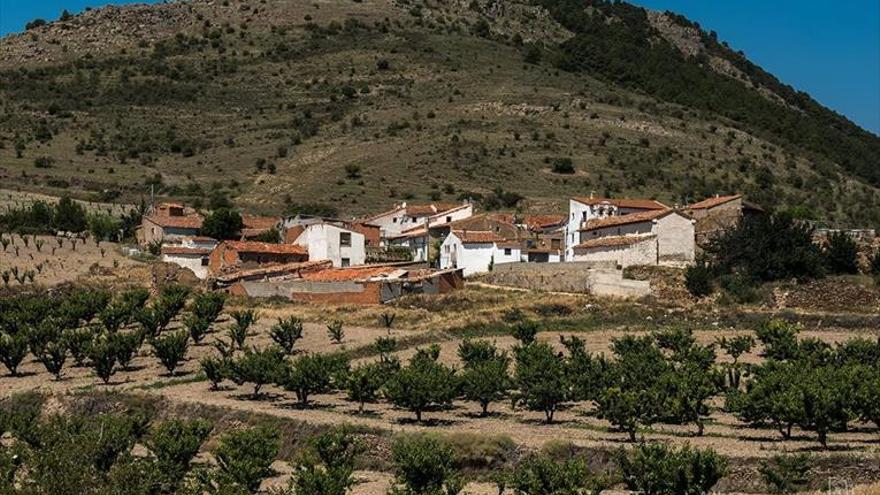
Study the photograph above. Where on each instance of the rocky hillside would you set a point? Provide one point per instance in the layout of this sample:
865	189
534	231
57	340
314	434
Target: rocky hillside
347	106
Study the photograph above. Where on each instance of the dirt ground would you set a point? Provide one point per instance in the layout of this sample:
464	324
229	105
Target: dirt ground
54	264
575	423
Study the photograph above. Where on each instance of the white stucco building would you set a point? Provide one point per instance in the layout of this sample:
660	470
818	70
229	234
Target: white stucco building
659	237
192	253
404	217
583	209
477	251
328	241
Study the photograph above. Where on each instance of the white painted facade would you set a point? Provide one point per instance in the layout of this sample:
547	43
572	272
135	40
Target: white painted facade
190	252
474	258
396	221
669	241
195	262
578	214
326	241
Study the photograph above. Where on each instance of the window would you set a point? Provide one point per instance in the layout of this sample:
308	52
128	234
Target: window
448	219
204	261
394	220
345	238
345	262
507	251
555	243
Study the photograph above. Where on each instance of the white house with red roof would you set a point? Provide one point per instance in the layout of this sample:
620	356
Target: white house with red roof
477	251
192	253
583	209
651	237
408	217
168	220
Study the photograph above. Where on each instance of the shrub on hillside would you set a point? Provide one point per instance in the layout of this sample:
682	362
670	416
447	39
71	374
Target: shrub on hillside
223	223
423	464
841	254
657	469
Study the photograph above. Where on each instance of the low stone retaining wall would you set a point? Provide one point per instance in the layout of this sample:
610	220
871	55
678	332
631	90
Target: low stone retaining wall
597	278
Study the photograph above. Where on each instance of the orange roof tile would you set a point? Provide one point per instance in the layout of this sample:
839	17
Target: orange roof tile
645	216
189	221
429	209
477	236
264	247
541	221
258	222
637	203
613	241
282	268
713	202
350	273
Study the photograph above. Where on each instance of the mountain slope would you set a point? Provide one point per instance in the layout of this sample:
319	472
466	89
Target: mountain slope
352	105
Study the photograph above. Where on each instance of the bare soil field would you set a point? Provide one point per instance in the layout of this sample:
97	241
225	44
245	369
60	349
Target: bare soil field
55	260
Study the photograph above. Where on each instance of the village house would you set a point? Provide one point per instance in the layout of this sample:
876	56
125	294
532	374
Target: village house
720	213
238	255
192	253
403	217
327	240
546	238
653	237
477	251
254	226
317	281
583	209
168	221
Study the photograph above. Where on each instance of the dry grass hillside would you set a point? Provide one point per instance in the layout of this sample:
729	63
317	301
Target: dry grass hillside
352	105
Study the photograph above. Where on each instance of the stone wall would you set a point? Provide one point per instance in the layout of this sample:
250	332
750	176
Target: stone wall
597	278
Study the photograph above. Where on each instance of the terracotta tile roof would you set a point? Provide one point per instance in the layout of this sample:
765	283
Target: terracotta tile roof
264	247
477	236
279	269
713	202
509	243
614	221
429	209
543	221
419	231
614	241
178	250
351	273
190	221
638	203
259	222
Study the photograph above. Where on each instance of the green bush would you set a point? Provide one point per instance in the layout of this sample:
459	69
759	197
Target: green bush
174	444
841	254
421	384
257	367
327	466
13	349
657	469
787	473
244	457
223	223
540	378
287	332
486	375
542	474
171	349
309	374
423	464
698	280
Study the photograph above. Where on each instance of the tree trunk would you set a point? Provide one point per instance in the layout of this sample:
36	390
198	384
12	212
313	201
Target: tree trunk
632	434
485	406
361	408
418	415
549	415
700	427
823	438
257	390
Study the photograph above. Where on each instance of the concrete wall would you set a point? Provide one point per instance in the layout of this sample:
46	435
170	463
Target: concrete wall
641	228
452	216
598	278
578	213
501	258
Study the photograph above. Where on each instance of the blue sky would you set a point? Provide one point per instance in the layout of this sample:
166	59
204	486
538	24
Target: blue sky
831	50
